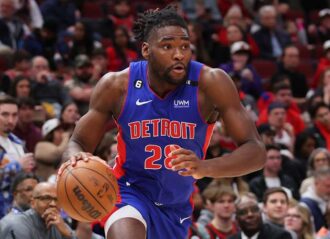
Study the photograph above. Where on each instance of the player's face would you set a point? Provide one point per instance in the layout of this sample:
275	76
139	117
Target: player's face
168	53
8	118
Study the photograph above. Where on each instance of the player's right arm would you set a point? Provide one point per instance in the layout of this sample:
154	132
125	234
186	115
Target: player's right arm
106	101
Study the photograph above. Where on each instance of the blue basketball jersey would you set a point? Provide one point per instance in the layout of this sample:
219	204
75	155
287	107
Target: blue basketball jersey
148	125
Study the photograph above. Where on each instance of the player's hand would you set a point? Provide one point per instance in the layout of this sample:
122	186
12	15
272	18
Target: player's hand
186	163
51	217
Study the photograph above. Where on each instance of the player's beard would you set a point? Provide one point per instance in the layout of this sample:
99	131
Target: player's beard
164	74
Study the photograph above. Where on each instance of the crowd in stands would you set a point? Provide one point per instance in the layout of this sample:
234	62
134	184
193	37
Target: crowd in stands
277	52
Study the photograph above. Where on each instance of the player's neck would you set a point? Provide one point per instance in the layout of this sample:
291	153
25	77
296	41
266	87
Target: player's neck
158	86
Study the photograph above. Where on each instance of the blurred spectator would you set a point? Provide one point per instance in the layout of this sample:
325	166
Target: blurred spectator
43	220
29	12
298	219
240	65
282	6
289	66
63	11
13	158
100	63
48	152
320	33
69	117
272	175
237	184
324	63
12	29
45	89
44	42
107	148
317	198
267	133
304	145
120	16
319	158
270	40
320	114
249	218
122	52
284	130
82	41
21	188
323	89
25	129
197	9
282	94
81	86
21	87
199	48
225	6
221	202
22	65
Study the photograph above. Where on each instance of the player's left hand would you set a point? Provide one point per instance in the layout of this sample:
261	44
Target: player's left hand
186	163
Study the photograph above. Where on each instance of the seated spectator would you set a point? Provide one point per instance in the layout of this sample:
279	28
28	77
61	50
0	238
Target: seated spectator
82	41
69	116
237	184
80	87
323	88
320	114
21	188
221	202
122	52
100	63
282	94
47	90
249	218
63	12
84	230
272	175
298	219
321	32
288	66
43	220
304	145
48	152
319	158
12	29
29	13
270	40
22	65
44	42
25	129
316	198
324	63
240	65
21	87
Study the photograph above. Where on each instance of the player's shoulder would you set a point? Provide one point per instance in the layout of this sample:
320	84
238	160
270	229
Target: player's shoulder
210	75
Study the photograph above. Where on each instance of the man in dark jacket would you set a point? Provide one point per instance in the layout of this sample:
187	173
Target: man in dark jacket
248	215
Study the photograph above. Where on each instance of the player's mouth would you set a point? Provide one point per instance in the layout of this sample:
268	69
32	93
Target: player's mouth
179	69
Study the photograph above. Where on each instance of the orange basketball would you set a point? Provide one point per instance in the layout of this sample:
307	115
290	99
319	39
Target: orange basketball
87	191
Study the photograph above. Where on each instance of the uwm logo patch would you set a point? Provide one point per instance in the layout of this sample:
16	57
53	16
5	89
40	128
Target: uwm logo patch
181	104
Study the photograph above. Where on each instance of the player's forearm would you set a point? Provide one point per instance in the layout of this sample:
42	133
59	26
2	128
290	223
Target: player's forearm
249	157
72	148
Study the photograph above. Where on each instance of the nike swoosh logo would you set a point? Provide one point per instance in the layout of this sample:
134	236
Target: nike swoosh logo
138	102
183	219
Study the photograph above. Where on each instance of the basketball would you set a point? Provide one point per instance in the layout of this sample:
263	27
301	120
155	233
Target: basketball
87	191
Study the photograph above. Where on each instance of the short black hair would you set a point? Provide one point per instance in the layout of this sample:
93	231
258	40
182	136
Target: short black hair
26	102
272	147
154	18
20	177
314	108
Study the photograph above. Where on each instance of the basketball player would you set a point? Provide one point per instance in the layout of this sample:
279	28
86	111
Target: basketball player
165	109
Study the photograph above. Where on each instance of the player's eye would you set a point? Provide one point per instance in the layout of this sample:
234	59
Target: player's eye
185	47
166	47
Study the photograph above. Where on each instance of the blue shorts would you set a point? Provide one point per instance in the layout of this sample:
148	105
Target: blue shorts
163	222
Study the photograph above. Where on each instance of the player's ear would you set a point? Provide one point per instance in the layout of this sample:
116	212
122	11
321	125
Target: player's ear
145	50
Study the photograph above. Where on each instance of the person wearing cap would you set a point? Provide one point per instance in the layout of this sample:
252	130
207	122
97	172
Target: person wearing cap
324	63
240	65
81	85
48	152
